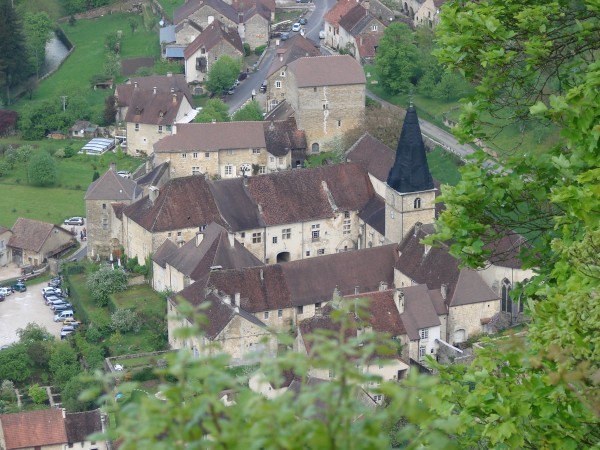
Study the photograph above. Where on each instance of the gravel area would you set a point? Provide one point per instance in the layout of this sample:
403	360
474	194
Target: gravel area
21	308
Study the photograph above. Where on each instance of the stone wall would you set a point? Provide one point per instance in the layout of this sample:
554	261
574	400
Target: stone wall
256	31
205	15
221	49
468	318
186	34
402	214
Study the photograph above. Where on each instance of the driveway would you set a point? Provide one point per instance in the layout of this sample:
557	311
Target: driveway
21	308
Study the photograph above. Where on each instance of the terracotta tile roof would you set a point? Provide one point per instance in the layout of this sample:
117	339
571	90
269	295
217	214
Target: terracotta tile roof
383	315
29	234
254	7
160	108
283	136
374	155
111	186
213	137
192	6
296	47
118	209
299	195
162	83
367	44
212	35
182	203
34	429
337	70
506	250
216	311
82	424
341	8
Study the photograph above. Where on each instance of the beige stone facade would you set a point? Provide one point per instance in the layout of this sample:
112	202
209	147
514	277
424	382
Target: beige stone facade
465	321
205	15
256	31
185	33
276	88
349	42
403	211
197	72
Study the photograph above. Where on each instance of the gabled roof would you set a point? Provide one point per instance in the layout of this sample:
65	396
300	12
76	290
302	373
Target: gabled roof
162	83
190	7
182	203
367	43
334	15
219	314
110	186
160	108
355	20
281	136
296	47
164	253
410	172
153	177
212	35
34	429
336	70
470	288
238	210
383	315
374	155
82	424
419	310
29	234
373	214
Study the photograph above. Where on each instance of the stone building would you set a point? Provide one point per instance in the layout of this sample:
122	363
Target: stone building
215	41
327	94
422	12
332	21
104	201
5	235
359	33
231	149
33	242
296	47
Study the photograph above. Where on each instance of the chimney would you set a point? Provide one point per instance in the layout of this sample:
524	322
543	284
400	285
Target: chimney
281	57
199	238
173	129
231	237
356	290
64	413
174	97
113	166
148	165
260	208
172	90
153	193
417	228
135	85
399	300
383	286
154	89
237	299
227	299
169	74
262	275
444	291
337	294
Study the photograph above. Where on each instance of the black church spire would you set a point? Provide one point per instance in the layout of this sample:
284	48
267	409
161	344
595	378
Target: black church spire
410	172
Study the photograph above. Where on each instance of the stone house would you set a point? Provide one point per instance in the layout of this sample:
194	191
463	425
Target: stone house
33	242
149	107
359	33
51	429
214	41
255	18
327	94
376	157
105	199
422	12
231	149
5	235
84	129
332	21
296	47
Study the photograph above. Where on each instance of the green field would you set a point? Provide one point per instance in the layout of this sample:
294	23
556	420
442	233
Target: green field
443	166
169	7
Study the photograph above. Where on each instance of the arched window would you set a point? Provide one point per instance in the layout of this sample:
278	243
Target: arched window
417	203
315	147
506	305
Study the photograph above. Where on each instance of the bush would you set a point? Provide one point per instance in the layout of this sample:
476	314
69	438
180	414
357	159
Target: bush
259	50
104	282
125	320
247	49
42	169
146	374
37	394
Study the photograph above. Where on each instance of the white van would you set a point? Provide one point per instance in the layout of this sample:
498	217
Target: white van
61	316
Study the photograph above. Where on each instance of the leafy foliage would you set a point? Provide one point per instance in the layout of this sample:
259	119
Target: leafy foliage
42	169
63	363
37	394
37	27
396	58
249	112
15	364
125	321
214	110
104	282
222	74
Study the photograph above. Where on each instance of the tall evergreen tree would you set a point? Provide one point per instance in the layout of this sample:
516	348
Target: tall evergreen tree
13	68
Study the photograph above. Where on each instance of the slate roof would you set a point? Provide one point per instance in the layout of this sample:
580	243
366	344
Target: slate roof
410	172
470	288
238	210
162	83
373	214
338	70
82	424
182	203
153	177
188	8
164	253
356	19
339	10
296	47
34	428
252	7
111	186
29	234
212	35
374	155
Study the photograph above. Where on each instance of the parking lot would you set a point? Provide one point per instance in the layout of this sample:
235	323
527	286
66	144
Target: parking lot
21	308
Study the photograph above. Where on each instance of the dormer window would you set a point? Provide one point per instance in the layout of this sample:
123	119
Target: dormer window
161	114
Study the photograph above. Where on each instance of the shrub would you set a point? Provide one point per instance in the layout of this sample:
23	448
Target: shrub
259	50
37	394
23	153
145	374
125	320
104	282
247	49
60	153
42	169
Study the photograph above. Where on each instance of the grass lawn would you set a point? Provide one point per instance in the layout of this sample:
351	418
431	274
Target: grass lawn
88	57
54	204
443	166
169	7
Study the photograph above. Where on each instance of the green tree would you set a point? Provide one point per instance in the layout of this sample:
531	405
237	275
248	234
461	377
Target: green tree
222	74
251	111
15	364
37	394
214	110
133	24
63	363
42	169
13	65
396	59
125	321
71	394
104	282
37	27
110	110
33	332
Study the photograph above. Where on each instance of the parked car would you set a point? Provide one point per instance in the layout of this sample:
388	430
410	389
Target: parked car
67	328
19	287
2	298
263	86
65	334
242	76
124	173
53	298
303	21
71	321
285	36
322	34
296	27
74	221
48	290
62	315
61	308
6	291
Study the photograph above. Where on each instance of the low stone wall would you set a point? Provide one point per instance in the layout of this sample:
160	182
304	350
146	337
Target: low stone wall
121	6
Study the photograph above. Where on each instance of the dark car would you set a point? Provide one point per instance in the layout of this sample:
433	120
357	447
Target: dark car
242	76
19	287
1	298
302	21
285	36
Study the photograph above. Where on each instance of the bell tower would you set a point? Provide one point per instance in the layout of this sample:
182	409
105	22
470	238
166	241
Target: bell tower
410	193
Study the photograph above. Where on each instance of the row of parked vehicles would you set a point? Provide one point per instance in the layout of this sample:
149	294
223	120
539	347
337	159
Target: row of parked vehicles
5	291
58	302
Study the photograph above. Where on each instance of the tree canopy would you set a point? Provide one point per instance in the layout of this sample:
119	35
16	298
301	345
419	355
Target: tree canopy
42	169
249	112
214	110
222	74
13	61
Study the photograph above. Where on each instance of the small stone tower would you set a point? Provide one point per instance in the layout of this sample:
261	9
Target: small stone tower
410	193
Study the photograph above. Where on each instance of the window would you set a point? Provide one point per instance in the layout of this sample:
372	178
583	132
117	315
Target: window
282	73
506	305
256	151
300	309
307	252
195	170
331	373
339	123
243	234
317	305
271	159
160	128
347	226
256	238
422	352
230	152
195	155
228	170
280	313
315	229
169	234
286	233
346	214
266	315
169	128
417	203
105	224
424	334
321	251
315	147
280	161
179	233
325	106
314	89
184	155
201	228
103	205
373	27
274	239
278	84
262	169
207	155
378	398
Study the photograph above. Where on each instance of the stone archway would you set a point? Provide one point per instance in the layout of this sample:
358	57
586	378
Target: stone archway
283	257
